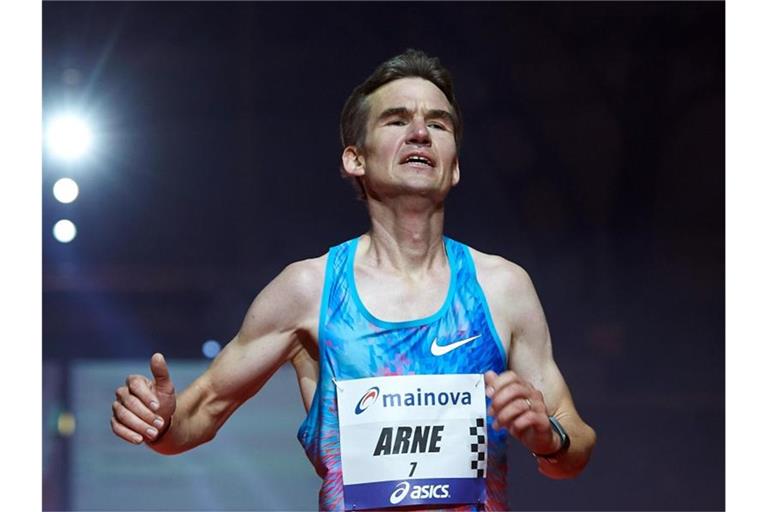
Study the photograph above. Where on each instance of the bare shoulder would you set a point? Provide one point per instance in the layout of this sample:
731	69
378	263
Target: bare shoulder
499	275
510	293
291	299
304	278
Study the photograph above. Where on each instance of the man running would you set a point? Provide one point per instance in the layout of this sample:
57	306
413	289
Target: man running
397	337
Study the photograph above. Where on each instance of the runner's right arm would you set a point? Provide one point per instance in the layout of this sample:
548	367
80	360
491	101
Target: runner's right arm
269	336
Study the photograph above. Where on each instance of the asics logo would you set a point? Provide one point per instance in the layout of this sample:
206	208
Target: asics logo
441	350
420	492
400	492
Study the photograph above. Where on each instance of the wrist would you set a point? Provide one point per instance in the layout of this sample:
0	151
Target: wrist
558	432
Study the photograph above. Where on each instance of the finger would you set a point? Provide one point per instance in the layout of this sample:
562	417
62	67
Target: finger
518	426
537	398
523	422
507	378
490	378
512	410
506	395
125	433
139	408
139	386
161	374
525	398
126	418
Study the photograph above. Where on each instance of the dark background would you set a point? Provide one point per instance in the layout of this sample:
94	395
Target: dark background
593	156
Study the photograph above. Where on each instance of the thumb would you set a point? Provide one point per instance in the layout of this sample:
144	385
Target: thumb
160	372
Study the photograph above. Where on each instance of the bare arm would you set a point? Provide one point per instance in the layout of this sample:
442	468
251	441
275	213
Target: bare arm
269	336
533	389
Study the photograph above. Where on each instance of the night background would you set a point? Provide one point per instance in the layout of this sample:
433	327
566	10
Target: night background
593	156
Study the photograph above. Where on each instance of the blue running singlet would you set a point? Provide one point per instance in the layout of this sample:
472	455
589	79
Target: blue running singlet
354	344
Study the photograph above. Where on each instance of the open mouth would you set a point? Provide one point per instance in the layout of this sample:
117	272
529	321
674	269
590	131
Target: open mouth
418	160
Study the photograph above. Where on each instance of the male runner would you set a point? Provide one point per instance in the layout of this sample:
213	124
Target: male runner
391	334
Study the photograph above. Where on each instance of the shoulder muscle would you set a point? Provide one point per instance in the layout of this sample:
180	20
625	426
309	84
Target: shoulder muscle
269	334
288	302
513	302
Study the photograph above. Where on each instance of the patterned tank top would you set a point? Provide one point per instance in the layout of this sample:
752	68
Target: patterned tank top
355	344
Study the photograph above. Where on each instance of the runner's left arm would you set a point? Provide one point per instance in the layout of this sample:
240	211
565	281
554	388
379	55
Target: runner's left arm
533	389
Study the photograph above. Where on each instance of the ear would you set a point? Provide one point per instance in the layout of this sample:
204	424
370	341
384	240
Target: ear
353	161
456	173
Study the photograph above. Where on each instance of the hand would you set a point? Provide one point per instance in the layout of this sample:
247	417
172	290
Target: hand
143	408
519	407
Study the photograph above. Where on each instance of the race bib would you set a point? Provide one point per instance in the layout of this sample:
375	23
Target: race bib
412	440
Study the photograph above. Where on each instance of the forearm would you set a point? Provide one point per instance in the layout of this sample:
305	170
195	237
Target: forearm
571	462
193	423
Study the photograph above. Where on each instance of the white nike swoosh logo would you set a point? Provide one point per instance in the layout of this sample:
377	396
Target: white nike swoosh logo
441	350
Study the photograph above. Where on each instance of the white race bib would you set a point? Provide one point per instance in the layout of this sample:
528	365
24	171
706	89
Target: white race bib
412	440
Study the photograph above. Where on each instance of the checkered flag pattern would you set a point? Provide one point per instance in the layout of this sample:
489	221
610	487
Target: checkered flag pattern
478	447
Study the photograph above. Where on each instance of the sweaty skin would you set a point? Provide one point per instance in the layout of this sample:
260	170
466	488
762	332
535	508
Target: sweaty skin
401	272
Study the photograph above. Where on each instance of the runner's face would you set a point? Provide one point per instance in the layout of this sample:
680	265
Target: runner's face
410	145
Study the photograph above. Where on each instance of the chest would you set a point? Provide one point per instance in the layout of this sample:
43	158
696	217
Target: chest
395	298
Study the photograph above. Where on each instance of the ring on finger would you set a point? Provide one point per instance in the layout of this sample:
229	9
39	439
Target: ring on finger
530	405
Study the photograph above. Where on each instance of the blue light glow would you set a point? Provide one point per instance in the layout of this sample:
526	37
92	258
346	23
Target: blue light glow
211	348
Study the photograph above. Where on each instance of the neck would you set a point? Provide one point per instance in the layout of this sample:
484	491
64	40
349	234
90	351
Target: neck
406	236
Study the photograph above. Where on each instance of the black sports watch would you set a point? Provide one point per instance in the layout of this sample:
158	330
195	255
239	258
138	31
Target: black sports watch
565	441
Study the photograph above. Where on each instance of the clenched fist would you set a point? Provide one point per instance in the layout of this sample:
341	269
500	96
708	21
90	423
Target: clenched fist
143	408
519	407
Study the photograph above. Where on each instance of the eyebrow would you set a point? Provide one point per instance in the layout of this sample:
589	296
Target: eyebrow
431	114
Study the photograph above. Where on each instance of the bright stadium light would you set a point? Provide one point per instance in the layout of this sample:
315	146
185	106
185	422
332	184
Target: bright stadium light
64	231
65	190
68	137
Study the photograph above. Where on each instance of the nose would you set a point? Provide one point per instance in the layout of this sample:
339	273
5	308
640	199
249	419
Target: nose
418	132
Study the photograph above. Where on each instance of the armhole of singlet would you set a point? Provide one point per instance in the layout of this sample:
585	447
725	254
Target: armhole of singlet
327	278
484	302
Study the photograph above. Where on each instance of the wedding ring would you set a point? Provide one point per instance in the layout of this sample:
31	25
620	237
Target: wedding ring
530	405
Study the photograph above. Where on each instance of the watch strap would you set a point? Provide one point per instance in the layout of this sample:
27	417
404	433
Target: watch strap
565	441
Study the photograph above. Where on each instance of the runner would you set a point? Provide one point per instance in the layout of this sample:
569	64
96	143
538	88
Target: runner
397	336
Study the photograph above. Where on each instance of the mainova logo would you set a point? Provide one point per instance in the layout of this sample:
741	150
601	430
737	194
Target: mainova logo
400	492
426	398
368	399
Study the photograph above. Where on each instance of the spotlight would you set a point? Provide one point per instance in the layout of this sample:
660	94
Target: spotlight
64	231
68	137
65	190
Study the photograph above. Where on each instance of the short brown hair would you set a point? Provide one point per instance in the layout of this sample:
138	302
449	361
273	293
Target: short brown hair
411	63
